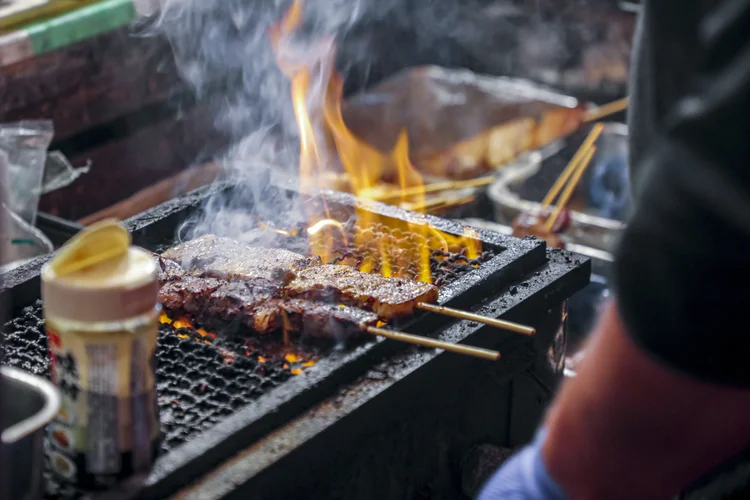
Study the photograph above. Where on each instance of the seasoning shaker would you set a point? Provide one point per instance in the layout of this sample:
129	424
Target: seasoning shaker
101	312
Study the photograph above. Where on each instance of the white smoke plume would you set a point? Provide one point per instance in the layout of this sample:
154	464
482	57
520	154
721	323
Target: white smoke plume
224	53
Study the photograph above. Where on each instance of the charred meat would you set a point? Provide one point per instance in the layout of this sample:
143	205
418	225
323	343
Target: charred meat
302	277
230	259
534	225
387	297
168	270
260	306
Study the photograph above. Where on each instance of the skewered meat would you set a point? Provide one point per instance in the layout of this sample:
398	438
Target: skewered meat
386	297
228	259
525	127
310	279
532	225
168	270
187	294
325	320
260	307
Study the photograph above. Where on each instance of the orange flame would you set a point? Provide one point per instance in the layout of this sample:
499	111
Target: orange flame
316	92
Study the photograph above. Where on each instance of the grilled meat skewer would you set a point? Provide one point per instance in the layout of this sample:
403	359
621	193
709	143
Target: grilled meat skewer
230	259
264	305
303	277
387	297
260	306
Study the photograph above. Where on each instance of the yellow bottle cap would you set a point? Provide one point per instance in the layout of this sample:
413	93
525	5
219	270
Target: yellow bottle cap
99	276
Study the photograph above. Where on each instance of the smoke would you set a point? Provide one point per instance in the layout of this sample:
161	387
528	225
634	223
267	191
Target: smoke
223	51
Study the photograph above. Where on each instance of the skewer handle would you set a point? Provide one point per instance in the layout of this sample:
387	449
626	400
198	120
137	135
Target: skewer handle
568	192
477	352
433	188
606	110
478	318
594	134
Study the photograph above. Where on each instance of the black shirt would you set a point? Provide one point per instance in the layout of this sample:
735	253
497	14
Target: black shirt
683	264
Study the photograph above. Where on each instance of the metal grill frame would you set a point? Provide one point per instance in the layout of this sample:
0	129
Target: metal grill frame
157	227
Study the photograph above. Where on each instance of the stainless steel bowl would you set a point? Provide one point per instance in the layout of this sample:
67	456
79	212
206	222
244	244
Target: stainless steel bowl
29	404
587	228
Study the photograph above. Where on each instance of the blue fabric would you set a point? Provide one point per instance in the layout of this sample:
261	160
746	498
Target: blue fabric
609	191
523	477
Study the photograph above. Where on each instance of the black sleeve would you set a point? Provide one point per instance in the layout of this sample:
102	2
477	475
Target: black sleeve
683	265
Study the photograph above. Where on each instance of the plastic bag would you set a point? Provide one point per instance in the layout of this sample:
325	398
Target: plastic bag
58	172
25	145
19	240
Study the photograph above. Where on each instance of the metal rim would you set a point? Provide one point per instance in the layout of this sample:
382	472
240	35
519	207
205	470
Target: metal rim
526	165
43	416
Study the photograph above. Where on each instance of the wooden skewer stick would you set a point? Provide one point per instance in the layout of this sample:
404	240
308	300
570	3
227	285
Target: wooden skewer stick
565	196
596	131
438	203
433	188
497	323
450	203
477	352
606	110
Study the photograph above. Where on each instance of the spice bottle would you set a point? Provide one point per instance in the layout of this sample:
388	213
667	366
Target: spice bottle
101	312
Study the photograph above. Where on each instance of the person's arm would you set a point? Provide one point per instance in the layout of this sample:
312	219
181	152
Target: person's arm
630	427
662	396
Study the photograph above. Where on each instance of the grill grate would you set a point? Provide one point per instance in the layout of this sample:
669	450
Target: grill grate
445	267
201	378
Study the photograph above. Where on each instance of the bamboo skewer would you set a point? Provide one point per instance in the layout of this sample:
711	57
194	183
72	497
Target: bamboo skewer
450	203
596	131
497	323
477	352
606	110
433	188
438	203
568	192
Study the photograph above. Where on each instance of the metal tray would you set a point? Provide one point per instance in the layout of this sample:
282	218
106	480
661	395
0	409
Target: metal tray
536	172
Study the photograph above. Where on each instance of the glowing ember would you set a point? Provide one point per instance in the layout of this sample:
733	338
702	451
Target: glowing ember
164	319
292	358
316	97
182	323
293	362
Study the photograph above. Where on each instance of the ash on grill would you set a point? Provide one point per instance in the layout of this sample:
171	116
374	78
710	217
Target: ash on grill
200	379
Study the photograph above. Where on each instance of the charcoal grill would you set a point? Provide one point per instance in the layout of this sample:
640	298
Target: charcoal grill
212	409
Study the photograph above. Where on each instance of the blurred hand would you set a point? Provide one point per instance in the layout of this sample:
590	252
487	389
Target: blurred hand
523	477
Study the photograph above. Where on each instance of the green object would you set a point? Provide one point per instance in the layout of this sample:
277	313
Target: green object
22	242
80	24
